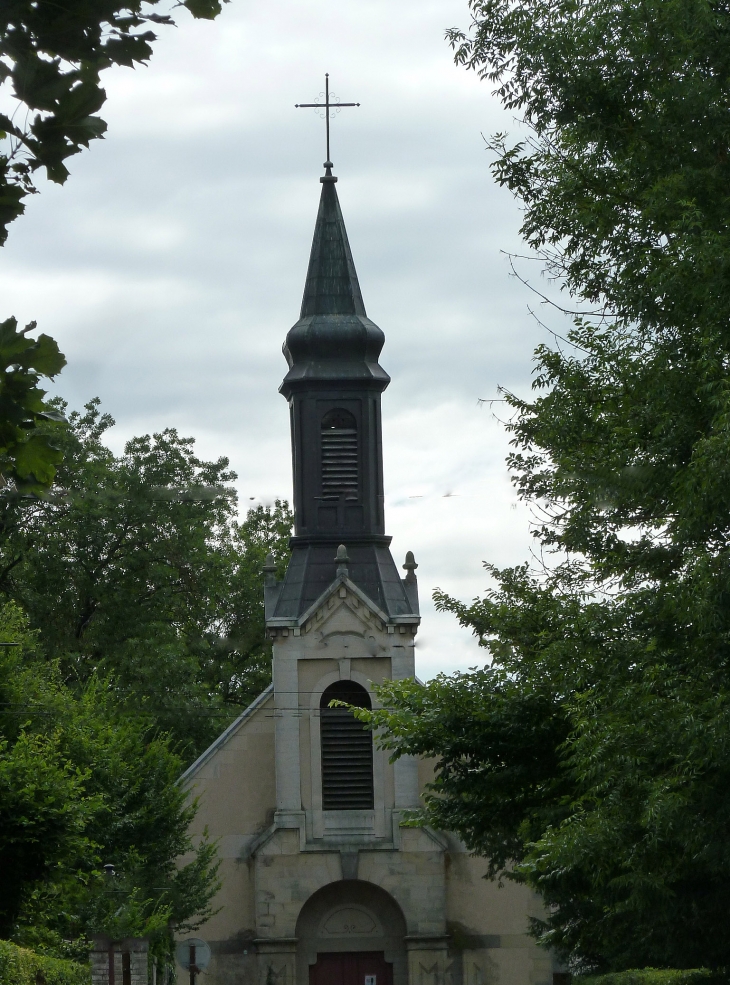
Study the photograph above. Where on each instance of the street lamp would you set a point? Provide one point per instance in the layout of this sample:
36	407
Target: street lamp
110	873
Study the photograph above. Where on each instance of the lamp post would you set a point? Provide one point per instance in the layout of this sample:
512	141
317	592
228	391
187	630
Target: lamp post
110	873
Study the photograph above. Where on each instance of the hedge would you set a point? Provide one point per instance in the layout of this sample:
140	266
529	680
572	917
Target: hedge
21	967
655	976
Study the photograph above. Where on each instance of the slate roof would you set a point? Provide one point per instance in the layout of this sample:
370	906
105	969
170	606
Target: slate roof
312	569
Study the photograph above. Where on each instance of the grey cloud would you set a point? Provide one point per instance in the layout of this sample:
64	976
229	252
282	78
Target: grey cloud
171	265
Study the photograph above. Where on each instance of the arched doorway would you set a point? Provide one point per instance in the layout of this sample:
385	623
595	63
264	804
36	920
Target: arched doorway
351	933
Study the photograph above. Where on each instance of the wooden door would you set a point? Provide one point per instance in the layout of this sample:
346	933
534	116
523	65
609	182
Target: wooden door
351	968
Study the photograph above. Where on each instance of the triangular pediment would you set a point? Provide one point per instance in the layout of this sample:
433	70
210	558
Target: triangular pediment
343	607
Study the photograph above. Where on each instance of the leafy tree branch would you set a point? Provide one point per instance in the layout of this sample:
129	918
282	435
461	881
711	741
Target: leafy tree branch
52	54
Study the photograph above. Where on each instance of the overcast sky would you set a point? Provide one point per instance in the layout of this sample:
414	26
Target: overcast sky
171	264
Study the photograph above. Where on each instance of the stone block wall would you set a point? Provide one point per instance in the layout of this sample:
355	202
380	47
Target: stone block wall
129	961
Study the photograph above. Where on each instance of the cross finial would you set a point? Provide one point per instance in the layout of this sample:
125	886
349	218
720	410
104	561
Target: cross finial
327	106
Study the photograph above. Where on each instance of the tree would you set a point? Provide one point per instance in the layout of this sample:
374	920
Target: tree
135	570
590	758
28	455
587	763
81	784
53	54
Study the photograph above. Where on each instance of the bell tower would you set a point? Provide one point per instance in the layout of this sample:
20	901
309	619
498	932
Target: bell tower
333	388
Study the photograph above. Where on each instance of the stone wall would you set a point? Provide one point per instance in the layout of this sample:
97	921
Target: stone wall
129	961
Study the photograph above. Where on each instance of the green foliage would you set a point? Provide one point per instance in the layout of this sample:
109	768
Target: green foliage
136	572
624	184
654	976
624	177
18	966
80	785
586	763
591	758
51	56
28	456
42	815
144	636
44	808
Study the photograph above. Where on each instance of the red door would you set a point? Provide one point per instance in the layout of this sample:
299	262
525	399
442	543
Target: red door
351	968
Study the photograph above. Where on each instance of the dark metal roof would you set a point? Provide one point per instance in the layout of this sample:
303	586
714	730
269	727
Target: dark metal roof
331	287
333	353
333	339
313	568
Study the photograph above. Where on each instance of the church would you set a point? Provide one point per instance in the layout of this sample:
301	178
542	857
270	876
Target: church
322	883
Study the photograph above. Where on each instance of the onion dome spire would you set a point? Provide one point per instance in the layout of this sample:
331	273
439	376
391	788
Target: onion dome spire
333	339
333	387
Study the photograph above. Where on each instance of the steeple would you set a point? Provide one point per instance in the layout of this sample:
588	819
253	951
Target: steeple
333	339
332	287
333	388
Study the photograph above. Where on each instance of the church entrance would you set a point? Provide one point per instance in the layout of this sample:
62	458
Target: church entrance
351	968
351	932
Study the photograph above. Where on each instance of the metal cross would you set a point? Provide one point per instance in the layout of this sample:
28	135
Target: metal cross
326	106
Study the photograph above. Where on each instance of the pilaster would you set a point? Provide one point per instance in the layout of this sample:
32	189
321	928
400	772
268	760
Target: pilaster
405	769
286	710
427	959
277	960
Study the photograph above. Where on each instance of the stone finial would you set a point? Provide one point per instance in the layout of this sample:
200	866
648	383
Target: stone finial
270	571
410	568
341	558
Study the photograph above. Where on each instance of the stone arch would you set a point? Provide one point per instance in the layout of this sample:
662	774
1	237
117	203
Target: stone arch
351	915
327	679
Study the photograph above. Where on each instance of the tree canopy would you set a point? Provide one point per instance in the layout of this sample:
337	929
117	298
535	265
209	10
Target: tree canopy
589	758
131	633
51	57
83	784
136	569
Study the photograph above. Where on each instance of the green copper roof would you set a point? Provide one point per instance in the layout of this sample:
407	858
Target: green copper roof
331	287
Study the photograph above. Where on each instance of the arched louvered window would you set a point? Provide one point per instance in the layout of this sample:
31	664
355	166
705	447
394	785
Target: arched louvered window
339	455
347	750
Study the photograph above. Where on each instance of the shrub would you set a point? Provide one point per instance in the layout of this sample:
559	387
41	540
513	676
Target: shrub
19	966
655	976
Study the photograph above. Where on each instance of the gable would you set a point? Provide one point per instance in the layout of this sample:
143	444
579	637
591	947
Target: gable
343	612
344	593
228	738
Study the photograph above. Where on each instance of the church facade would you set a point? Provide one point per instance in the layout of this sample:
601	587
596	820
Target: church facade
322	883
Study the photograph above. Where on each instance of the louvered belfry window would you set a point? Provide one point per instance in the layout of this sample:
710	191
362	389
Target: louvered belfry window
339	455
347	750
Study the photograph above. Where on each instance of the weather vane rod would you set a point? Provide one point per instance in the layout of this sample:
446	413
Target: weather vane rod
327	106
